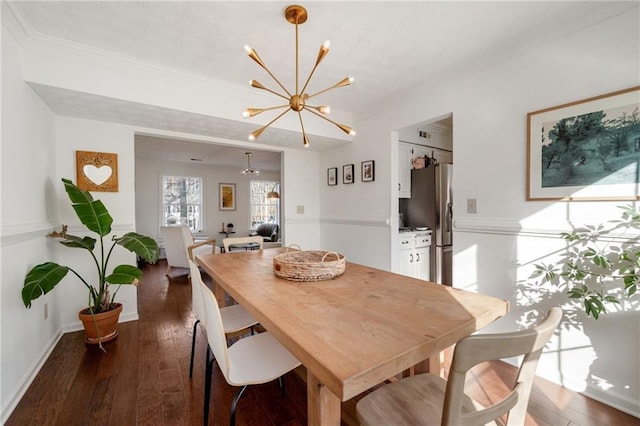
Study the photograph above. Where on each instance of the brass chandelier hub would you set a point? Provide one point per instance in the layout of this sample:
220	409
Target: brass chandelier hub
297	101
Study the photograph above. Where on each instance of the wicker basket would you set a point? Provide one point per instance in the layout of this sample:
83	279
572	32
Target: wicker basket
308	265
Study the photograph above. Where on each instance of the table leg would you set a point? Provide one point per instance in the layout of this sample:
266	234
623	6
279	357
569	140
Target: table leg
323	406
433	365
219	294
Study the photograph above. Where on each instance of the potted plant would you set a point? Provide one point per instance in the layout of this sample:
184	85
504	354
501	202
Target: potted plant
601	264
102	314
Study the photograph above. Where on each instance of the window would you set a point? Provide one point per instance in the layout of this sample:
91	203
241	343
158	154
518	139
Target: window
182	202
263	209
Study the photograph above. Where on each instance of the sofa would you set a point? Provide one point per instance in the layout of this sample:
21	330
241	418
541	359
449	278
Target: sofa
268	231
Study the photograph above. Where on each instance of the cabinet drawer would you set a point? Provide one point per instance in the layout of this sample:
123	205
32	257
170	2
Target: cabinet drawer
423	240
405	242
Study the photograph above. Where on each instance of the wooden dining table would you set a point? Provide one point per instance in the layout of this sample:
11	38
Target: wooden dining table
354	331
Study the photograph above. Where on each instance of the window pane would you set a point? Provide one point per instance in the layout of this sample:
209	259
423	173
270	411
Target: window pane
263	209
182	200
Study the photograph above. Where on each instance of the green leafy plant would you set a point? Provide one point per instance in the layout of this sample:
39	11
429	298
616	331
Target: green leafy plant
601	265
94	215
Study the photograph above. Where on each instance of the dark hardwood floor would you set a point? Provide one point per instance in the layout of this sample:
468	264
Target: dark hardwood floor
143	378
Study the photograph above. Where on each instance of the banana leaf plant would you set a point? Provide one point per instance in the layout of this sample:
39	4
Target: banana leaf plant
94	215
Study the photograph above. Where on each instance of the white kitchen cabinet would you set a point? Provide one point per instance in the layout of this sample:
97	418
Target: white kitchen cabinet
441	155
413	255
404	170
421	250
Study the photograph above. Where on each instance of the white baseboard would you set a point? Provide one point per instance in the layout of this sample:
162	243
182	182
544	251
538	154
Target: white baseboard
29	376
613	399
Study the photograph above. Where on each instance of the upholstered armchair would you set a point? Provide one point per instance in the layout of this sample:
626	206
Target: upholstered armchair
268	231
179	246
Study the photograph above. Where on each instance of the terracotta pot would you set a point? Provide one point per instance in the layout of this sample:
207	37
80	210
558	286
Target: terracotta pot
107	324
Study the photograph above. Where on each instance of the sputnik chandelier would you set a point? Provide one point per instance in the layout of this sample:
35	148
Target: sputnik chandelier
297	102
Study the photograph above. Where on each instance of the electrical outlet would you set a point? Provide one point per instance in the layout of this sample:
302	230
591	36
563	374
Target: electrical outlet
46	310
472	205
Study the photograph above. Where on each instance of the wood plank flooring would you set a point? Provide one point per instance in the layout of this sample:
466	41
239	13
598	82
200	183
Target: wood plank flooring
143	378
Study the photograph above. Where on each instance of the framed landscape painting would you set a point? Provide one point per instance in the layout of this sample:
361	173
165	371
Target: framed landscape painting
586	150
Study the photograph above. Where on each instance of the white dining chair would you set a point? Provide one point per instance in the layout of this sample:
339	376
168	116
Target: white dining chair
235	318
179	246
230	241
252	360
428	399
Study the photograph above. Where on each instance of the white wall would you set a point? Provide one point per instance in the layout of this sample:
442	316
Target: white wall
27	208
495	248
73	134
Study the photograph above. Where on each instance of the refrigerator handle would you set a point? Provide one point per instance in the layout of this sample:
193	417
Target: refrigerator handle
449	217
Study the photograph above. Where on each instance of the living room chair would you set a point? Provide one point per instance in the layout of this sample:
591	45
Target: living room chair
429	399
268	232
234	317
179	246
242	243
252	360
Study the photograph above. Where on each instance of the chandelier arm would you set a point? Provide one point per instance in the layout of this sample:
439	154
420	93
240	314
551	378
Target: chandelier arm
344	82
324	49
254	55
256	111
272	121
309	78
342	127
305	141
272	91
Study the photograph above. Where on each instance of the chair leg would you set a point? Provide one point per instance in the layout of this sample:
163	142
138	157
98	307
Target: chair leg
193	346
207	385
234	404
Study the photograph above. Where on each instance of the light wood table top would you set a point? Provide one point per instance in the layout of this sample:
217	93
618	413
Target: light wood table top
356	330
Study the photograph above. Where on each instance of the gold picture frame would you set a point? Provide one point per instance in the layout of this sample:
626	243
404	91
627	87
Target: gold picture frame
227	196
97	171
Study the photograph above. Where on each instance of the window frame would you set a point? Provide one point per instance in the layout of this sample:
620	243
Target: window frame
202	215
269	186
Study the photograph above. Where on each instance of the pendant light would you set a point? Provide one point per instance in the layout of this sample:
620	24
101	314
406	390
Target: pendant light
249	170
297	102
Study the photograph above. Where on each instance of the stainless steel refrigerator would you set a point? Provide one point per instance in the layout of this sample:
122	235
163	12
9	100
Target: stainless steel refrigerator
431	204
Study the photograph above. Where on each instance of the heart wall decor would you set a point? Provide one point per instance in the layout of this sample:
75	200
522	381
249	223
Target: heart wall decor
97	171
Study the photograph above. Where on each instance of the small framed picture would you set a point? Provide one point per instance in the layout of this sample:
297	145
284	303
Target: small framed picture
332	176
368	171
227	196
347	173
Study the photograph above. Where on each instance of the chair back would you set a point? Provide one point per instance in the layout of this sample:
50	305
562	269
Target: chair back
176	239
242	240
473	350
212	323
197	303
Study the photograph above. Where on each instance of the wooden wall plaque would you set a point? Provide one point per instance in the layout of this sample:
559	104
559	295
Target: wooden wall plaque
97	171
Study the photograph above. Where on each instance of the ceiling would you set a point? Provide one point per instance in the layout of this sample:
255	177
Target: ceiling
389	47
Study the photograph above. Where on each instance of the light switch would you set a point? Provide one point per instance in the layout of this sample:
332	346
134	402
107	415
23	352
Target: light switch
472	206
300	209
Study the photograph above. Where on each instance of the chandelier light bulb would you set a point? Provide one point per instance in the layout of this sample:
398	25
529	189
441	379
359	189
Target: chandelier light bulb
325	109
246	113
